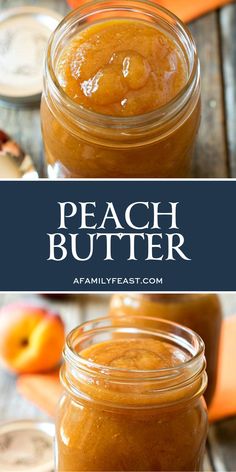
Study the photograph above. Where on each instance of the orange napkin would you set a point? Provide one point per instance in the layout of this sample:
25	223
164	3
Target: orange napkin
188	10
45	390
185	9
224	401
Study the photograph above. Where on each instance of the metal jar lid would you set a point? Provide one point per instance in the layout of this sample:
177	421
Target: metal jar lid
24	33
26	446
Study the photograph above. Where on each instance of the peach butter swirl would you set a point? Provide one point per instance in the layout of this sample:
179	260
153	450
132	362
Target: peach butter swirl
122	68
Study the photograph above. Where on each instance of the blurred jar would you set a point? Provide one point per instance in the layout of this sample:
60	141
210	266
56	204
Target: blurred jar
115	419
200	312
56	296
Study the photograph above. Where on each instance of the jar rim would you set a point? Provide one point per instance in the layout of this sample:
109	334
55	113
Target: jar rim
170	297
126	388
93	327
161	114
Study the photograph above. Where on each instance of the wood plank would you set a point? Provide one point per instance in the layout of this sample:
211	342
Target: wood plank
227	18
23	124
12	405
60	6
222	441
210	159
207	464
228	303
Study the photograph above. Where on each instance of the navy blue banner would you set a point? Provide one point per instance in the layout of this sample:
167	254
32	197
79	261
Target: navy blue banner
118	236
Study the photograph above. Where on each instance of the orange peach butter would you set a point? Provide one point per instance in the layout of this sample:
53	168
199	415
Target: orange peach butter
120	69
199	312
127	428
135	354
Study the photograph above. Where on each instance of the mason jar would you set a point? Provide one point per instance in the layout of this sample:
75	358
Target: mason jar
82	143
201	312
132	398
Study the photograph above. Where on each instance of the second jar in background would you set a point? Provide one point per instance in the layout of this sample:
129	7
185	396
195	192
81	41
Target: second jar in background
200	312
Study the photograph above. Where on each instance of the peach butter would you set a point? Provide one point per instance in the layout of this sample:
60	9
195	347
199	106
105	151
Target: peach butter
108	69
132	402
200	312
121	93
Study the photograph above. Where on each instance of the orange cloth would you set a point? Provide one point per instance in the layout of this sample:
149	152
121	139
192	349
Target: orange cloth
187	10
224	401
44	390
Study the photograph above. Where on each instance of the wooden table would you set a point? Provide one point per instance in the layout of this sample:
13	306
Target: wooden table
215	154
221	450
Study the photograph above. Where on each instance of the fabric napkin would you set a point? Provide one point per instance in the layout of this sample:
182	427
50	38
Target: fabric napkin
224	401
45	390
186	10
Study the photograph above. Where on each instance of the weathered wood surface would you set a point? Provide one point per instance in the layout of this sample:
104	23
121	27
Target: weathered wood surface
222	439
210	158
215	154
221	450
227	21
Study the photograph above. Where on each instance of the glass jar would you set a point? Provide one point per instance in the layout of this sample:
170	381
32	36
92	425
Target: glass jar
83	144
200	312
114	418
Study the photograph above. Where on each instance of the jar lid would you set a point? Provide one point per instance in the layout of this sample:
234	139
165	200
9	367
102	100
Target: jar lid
26	446
24	33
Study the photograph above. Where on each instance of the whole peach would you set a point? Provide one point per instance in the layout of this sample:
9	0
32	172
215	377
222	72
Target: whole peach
31	338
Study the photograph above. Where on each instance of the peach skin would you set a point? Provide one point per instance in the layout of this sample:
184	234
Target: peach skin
31	338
